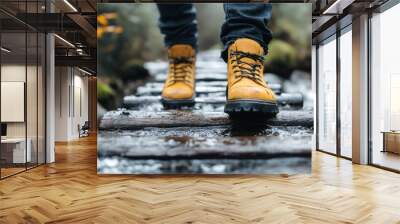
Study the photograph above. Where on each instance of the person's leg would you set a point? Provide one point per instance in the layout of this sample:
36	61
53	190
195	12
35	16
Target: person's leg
245	37
246	20
178	23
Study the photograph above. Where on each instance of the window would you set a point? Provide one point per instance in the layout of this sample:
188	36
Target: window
385	89
346	92
327	95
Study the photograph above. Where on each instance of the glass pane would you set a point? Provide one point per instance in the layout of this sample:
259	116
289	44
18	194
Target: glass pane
32	97
385	86
41	99
32	89
327	96
13	86
346	94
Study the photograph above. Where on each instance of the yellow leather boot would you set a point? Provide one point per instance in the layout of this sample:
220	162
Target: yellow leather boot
179	87
247	92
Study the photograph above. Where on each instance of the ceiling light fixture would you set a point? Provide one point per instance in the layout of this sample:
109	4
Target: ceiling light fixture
5	50
84	71
328	10
70	5
337	7
64	40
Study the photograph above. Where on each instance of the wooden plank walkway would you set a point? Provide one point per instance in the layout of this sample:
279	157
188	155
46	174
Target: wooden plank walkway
145	138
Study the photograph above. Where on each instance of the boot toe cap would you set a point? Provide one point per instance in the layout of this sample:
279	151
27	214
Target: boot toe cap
177	93
251	93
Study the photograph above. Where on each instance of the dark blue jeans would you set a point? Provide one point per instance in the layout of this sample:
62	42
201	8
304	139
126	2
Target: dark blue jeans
242	20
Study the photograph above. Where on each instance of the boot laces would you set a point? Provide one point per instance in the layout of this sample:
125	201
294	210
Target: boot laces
243	69
180	68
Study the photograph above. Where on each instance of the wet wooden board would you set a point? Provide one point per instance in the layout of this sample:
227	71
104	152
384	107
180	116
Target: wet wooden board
279	165
199	147
127	119
198	83
203	75
158	85
211	64
155	89
291	99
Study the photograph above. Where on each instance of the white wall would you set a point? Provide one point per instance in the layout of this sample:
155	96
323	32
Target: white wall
12	73
62	80
33	126
81	102
13	101
71	94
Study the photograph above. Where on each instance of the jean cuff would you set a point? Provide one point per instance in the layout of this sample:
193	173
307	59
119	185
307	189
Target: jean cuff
224	52
189	42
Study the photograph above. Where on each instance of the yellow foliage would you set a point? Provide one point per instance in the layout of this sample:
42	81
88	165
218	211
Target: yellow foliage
102	20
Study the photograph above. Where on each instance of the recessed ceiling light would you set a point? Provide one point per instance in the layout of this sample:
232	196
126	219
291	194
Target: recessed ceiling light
5	50
328	10
64	40
70	5
337	7
84	71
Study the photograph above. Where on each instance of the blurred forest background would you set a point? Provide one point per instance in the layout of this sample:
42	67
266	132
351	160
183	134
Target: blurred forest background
128	36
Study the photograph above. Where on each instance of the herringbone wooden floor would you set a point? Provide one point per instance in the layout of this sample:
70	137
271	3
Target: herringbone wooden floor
70	191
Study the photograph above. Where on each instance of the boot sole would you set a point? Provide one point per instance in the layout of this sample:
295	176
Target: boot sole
177	104
252	107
